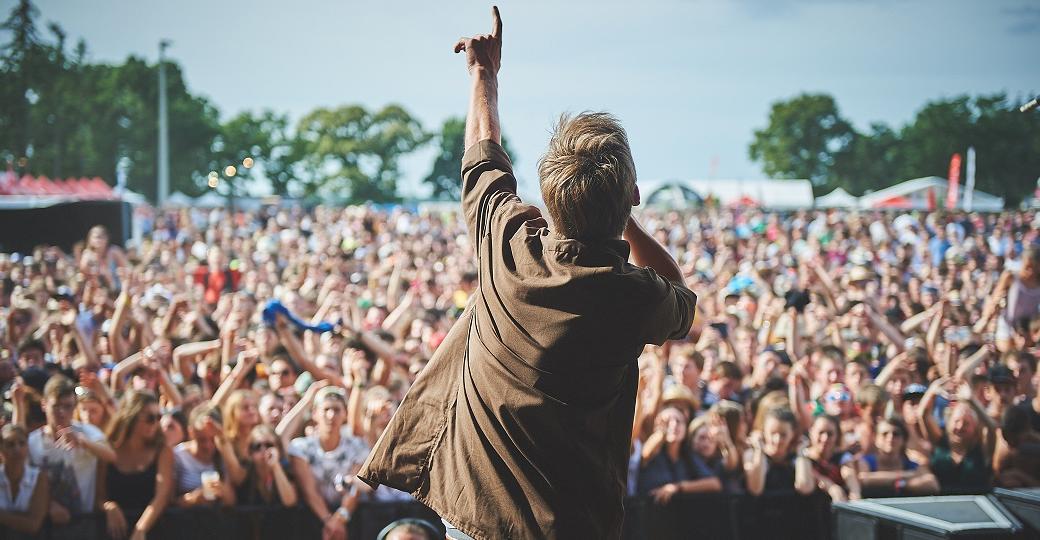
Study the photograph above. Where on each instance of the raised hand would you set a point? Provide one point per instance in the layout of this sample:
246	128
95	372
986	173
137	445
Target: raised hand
484	51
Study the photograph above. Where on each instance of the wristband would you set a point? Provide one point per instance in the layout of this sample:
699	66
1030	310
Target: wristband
343	514
899	485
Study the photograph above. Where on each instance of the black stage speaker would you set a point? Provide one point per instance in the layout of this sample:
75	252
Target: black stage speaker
975	517
1024	504
62	225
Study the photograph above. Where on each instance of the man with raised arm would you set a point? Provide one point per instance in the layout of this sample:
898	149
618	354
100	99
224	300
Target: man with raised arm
519	426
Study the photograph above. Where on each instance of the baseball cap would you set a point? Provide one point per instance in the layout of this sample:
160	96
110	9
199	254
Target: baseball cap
1000	373
914	391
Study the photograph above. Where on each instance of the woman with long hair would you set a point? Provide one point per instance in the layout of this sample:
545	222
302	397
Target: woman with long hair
201	463
241	414
142	473
773	461
91	408
671	470
24	493
887	470
269	479
839	482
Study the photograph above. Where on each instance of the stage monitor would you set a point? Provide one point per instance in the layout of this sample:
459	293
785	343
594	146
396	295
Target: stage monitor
920	518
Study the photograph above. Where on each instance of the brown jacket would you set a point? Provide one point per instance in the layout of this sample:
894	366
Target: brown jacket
519	426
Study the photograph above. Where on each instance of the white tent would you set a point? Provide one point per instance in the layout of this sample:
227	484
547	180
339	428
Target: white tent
771	194
133	197
839	198
914	195
210	199
179	199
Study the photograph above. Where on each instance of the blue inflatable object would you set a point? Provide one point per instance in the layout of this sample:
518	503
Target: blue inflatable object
274	307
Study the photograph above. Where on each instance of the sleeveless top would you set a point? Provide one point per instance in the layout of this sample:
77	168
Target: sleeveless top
9	503
972	475
132	490
872	462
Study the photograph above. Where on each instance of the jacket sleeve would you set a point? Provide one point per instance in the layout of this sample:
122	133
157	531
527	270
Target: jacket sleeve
488	185
671	315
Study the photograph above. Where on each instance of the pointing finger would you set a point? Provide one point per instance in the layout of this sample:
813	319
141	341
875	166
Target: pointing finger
496	31
461	44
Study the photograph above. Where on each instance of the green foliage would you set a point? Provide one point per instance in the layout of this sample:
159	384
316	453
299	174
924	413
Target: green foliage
264	137
63	116
445	176
1007	143
71	118
807	138
351	154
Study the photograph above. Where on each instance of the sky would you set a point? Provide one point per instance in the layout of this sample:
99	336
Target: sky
690	79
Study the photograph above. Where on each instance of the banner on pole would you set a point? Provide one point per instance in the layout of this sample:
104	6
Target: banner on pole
969	180
954	180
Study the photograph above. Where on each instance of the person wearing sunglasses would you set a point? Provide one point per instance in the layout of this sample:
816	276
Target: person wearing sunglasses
887	470
268	481
136	488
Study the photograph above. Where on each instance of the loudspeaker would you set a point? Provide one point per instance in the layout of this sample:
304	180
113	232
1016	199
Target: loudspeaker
1024	504
925	518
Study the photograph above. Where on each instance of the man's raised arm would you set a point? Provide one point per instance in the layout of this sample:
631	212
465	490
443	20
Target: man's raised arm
483	59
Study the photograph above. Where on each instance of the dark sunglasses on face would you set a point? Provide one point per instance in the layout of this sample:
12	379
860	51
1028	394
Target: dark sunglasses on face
261	445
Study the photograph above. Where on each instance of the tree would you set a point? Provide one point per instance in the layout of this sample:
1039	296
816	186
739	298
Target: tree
264	138
21	58
445	176
65	117
873	161
351	154
1007	143
805	137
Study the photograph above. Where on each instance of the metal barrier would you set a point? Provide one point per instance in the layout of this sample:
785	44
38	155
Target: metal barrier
723	517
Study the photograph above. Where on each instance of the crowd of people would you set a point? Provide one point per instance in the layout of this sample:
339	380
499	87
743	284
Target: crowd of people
253	358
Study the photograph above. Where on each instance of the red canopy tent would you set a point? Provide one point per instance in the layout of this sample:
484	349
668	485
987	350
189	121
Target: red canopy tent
895	203
745	201
83	188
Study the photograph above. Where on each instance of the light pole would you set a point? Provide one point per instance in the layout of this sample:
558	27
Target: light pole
164	135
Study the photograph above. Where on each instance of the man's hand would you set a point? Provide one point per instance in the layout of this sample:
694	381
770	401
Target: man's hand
484	51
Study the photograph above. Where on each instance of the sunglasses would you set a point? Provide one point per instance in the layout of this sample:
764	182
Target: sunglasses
261	445
150	418
283	372
838	396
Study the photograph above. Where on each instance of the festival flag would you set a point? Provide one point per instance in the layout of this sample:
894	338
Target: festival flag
969	179
955	178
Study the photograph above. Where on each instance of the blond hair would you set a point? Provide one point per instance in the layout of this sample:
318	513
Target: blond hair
232	429
588	177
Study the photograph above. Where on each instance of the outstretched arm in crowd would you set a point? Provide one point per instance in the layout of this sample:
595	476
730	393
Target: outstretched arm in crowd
755	466
992	304
246	362
926	409
891	333
185	356
294	347
966	368
290	425
935	327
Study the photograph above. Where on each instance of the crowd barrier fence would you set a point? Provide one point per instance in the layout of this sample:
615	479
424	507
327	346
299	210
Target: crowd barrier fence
722	517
